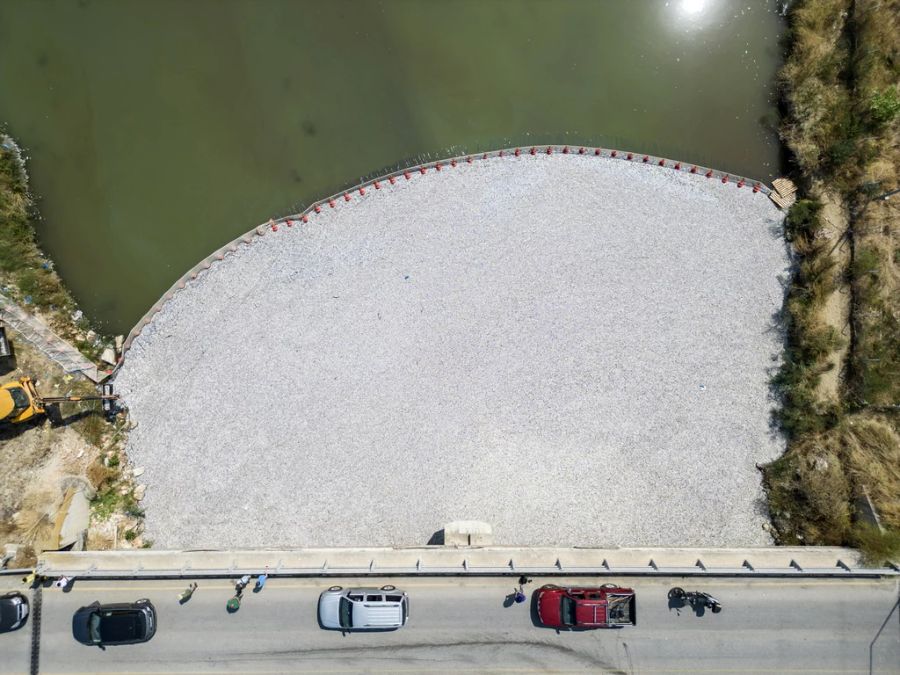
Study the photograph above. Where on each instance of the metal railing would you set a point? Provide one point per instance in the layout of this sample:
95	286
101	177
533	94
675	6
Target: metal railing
463	562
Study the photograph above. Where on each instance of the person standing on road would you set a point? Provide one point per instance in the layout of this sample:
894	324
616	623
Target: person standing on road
187	593
520	592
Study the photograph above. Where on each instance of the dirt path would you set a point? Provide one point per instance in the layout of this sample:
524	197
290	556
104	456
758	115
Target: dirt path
836	312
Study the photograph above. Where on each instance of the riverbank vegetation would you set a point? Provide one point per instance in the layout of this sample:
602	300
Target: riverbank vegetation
842	126
27	275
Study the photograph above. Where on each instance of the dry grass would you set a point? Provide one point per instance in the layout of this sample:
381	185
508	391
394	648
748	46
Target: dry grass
809	491
873	457
843	127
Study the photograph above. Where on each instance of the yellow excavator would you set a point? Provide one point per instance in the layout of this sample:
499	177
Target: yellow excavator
20	402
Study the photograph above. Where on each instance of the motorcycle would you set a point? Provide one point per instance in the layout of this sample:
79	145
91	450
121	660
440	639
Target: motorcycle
696	599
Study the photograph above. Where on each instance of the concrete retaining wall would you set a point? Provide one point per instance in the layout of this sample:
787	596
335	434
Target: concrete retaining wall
465	561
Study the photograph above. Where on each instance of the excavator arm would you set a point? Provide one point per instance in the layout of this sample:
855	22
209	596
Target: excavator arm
107	396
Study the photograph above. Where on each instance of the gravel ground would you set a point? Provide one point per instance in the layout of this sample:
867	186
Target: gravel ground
575	350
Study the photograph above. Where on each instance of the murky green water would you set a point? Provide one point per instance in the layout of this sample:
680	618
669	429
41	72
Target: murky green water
157	131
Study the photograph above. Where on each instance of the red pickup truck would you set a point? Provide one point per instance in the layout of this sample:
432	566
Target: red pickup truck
608	606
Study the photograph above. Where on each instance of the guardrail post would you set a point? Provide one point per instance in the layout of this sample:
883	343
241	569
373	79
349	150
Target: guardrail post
512	565
700	564
795	565
747	564
843	565
653	565
559	564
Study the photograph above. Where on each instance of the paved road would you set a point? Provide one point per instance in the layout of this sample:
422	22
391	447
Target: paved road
463	626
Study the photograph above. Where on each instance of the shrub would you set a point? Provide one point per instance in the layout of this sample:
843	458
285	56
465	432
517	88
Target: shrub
877	547
809	493
99	475
884	106
809	341
865	262
802	224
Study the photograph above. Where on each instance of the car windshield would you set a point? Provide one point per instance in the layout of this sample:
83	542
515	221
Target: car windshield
94	627
20	399
345	616
567	611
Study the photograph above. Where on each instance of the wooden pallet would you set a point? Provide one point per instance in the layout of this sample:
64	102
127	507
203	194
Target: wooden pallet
784	186
785	193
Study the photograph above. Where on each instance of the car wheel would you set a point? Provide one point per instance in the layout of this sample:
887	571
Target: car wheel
389	587
336	588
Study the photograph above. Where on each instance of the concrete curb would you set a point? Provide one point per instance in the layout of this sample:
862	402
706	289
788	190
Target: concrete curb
464	561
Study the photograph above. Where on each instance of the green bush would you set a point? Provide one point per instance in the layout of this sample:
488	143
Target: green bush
865	262
132	509
884	106
877	547
802	220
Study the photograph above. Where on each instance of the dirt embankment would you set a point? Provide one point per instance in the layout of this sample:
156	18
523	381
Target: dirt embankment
841	379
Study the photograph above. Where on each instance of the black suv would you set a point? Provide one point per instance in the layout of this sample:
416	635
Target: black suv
117	624
13	611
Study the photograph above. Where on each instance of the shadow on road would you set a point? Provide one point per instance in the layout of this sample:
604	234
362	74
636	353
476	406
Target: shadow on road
880	631
680	603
